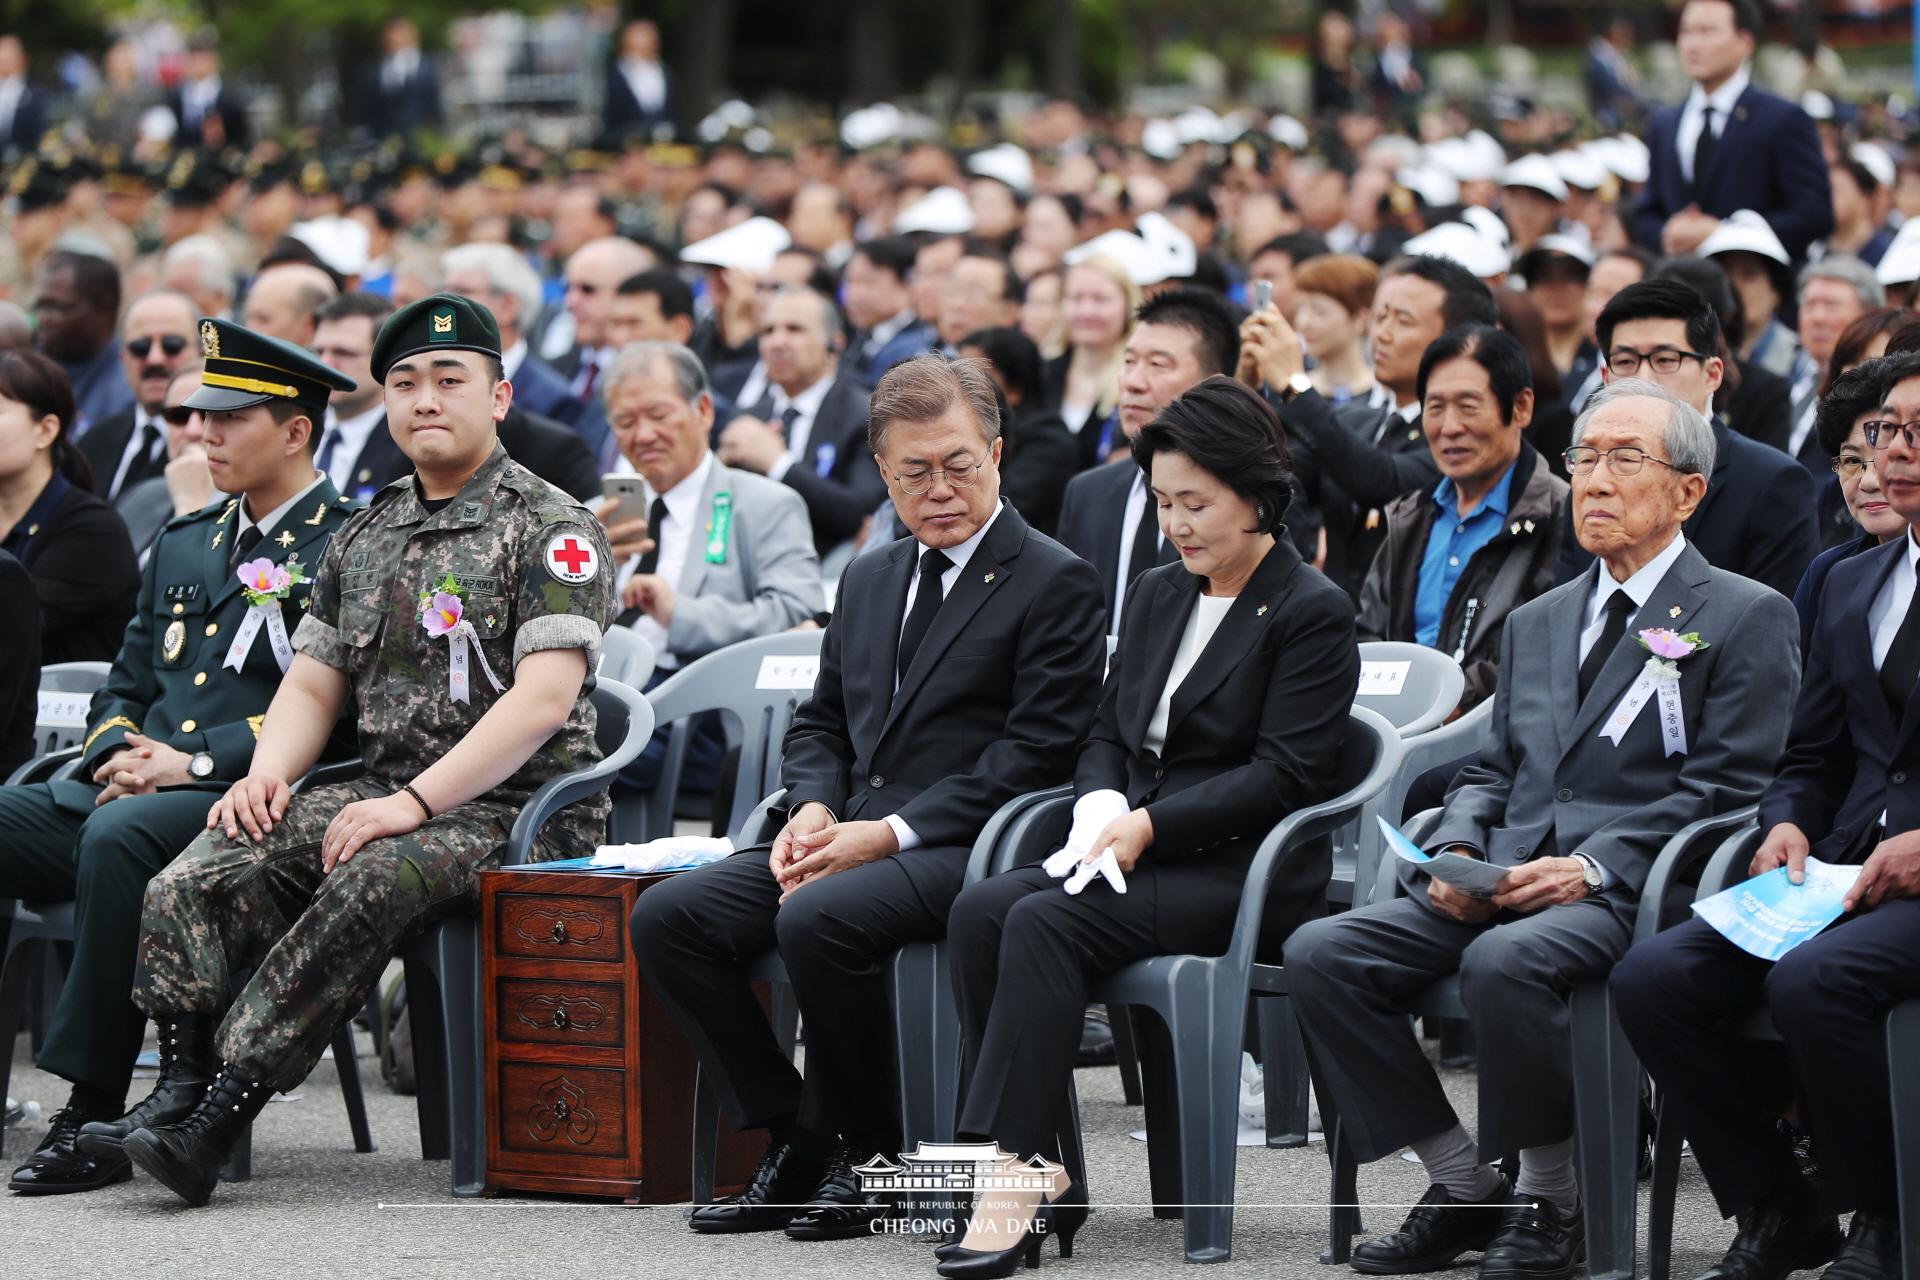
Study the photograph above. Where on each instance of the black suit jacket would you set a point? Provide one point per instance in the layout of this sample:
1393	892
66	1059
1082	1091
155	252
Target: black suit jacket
1093	517
1254	730
1767	158
998	697
1761	409
84	571
552	451
1848	758
1757	520
1036	463
378	464
233	119
412	104
1349	479
621	111
837	477
103	446
29	124
19	665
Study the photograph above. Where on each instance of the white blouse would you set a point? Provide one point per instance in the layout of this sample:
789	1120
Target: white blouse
1201	624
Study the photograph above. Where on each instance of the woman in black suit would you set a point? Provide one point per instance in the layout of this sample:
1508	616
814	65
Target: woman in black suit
19	665
73	545
1224	710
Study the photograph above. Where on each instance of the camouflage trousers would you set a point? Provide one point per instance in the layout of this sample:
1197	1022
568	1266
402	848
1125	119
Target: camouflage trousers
316	942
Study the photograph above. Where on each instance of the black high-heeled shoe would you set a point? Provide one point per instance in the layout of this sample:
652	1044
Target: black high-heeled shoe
1065	1216
1061	1218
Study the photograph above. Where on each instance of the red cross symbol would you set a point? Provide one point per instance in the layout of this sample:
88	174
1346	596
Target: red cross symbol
574	556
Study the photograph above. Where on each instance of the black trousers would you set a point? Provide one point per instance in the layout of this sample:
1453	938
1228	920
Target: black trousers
1681	996
696	936
1023	953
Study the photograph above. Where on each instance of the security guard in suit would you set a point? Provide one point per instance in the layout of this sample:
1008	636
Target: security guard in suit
176	721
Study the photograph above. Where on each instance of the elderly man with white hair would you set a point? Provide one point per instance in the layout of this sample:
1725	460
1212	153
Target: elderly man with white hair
1652	691
200	267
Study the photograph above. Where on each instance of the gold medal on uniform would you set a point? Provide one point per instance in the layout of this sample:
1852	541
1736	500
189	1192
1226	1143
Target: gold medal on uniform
174	641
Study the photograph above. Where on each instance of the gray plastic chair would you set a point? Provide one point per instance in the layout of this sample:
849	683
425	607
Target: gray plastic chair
1428	695
725	681
67	677
1420	752
1202	1000
926	1019
626	656
1606	1074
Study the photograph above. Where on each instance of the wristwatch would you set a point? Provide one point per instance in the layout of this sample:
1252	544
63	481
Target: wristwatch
1295	385
200	766
1590	873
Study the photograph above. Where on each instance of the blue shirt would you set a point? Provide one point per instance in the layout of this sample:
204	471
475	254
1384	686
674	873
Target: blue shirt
1450	544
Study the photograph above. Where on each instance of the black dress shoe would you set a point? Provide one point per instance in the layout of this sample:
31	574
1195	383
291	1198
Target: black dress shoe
1438	1230
840	1207
1096	1039
186	1069
1773	1242
1538	1241
782	1180
56	1168
1872	1250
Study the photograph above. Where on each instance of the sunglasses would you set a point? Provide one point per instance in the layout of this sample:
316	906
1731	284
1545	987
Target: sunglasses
172	345
179	415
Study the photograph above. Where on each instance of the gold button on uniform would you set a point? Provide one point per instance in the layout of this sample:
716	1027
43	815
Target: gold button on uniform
200	677
179	609
213	628
188	726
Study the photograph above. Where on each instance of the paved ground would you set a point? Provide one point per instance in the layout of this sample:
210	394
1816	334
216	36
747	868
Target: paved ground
314	1206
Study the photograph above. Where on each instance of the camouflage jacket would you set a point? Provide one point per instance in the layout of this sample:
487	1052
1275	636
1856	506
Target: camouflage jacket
533	572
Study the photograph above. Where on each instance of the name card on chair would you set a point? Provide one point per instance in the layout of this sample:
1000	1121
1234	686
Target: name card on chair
63	710
788	671
1383	679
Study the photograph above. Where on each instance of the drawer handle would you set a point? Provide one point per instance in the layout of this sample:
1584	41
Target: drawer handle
560	1019
559	926
559	930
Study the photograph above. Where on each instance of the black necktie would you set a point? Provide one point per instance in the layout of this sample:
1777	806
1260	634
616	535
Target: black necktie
1901	667
656	520
1619	609
1146	542
243	546
328	443
788	417
926	603
1703	149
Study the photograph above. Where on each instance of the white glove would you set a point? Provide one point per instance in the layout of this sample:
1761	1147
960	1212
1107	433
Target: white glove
1091	814
1105	865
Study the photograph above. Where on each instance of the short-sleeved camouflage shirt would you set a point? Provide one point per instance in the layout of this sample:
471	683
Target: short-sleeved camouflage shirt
534	572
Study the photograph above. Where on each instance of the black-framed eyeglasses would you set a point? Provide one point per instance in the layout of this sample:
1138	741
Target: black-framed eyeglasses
172	344
179	415
1622	460
1851	466
960	475
1879	435
1624	362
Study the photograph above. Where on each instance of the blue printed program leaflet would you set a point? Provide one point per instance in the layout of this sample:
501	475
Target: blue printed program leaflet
1770	915
1471	876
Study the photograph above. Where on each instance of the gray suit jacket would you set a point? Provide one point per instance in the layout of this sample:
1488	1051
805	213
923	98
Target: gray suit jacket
1546	771
767	577
145	508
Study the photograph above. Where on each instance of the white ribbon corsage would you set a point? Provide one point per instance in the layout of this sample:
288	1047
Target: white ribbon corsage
1659	677
443	613
265	584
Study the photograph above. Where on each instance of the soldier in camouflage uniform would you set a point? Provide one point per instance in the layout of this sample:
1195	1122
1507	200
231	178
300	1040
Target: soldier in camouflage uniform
463	611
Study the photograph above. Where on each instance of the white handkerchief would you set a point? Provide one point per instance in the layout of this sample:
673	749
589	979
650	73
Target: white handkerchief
669	853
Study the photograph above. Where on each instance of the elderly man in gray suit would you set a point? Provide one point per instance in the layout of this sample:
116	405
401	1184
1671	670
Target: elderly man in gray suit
721	556
1595	756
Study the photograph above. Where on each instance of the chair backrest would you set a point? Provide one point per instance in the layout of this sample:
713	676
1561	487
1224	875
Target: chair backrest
623	722
1412	687
627	656
754	686
66	689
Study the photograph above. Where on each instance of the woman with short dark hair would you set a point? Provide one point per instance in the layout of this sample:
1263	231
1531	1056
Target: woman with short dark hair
1224	710
72	544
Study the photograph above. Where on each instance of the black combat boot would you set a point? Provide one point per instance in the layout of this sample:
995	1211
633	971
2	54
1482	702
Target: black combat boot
186	1069
186	1156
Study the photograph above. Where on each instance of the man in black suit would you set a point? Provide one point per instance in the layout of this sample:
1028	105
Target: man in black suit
809	430
1730	146
960	669
356	450
1759	517
1352	461
637	95
1841	795
1752	398
158	340
205	112
402	93
23	113
1107	517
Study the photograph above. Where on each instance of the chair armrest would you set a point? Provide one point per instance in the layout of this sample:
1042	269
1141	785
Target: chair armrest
1689	847
560	792
761	825
984	859
326	775
44	768
1729	863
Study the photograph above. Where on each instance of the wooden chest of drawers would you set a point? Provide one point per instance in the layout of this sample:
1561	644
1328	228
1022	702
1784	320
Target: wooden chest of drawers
589	1082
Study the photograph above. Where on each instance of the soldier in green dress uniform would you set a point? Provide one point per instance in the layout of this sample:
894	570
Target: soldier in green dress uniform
175	724
463	611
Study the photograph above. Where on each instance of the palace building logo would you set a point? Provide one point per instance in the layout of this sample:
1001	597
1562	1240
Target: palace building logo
957	1167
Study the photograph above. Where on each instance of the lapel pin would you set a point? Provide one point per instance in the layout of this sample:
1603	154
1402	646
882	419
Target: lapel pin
988	578
1261	612
1516	527
1675	612
216	540
285	539
1529	526
320	513
490	620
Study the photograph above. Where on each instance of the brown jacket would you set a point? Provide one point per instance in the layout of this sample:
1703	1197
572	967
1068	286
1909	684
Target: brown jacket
1517	565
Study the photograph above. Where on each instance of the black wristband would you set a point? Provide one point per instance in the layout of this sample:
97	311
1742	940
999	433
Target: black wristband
424	807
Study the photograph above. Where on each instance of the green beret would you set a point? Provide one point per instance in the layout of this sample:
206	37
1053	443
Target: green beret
438	322
244	368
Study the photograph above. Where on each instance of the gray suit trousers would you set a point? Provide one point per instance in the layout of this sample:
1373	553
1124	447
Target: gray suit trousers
1354	976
